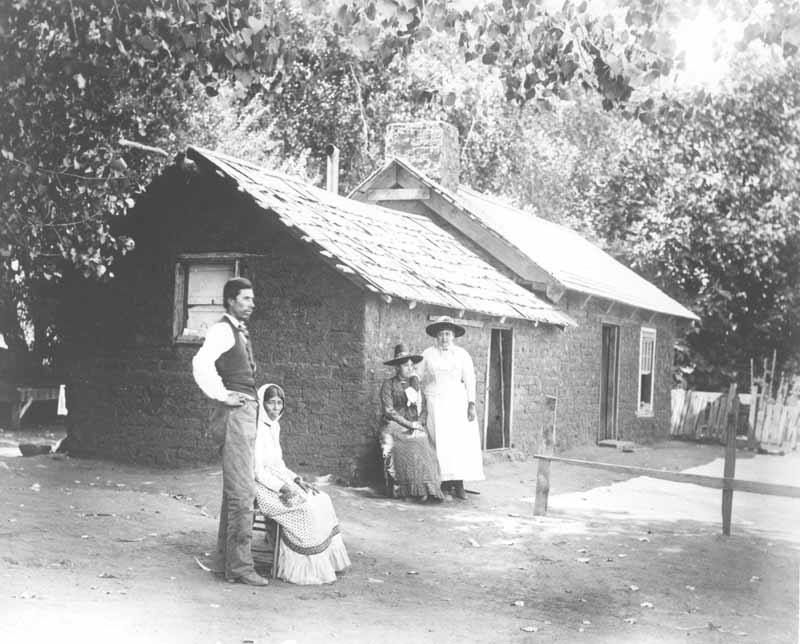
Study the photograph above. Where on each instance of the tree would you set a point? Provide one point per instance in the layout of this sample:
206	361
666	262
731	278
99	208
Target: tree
706	202
80	75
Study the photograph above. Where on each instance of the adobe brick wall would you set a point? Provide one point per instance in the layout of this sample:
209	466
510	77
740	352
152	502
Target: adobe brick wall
538	372
131	393
537	356
389	324
547	361
579	407
132	398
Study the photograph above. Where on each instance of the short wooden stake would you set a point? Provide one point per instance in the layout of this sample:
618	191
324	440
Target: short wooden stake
542	487
730	463
543	471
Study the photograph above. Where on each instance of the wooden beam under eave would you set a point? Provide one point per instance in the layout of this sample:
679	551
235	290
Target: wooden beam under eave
398	194
555	291
489	240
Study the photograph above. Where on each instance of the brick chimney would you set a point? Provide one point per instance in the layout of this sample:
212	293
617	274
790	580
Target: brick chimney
429	146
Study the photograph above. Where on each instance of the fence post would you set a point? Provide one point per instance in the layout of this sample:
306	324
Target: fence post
543	471
730	462
752	416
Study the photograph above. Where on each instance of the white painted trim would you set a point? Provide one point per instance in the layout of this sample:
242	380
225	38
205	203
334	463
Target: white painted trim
487	371
398	194
511	394
183	262
209	258
619	382
646	332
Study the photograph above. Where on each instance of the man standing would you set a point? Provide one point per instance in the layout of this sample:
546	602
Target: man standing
224	369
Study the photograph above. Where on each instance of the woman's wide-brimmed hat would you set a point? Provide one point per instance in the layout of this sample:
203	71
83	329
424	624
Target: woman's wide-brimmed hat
444	322
401	354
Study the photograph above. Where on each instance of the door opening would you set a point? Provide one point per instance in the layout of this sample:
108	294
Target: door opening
498	391
609	378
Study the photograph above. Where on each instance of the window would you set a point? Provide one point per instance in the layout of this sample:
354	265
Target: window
199	280
647	360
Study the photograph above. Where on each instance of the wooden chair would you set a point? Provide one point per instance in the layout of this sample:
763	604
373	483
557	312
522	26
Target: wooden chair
266	542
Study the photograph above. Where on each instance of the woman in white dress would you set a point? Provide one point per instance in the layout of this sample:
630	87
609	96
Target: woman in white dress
312	550
447	376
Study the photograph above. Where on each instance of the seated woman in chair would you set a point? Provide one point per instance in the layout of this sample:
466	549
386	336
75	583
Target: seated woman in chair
312	550
409	457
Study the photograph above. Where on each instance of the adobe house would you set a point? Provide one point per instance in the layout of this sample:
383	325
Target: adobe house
338	283
614	367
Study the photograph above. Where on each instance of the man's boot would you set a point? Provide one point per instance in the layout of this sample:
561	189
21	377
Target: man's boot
458	490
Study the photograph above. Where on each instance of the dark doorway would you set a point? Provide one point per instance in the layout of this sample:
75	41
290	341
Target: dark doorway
498	400
609	378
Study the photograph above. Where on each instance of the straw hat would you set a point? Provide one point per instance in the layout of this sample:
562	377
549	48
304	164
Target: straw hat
444	322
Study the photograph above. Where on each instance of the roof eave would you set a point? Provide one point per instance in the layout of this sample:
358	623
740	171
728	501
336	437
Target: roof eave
340	265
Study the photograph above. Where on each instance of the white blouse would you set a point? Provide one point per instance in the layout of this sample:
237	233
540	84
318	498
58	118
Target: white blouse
445	368
270	470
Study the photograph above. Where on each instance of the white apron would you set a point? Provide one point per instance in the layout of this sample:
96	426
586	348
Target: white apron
447	376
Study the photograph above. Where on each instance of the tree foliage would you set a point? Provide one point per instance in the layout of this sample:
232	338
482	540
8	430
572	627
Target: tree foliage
276	80
706	203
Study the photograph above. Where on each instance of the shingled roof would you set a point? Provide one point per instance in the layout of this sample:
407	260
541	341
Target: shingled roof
567	258
572	260
385	251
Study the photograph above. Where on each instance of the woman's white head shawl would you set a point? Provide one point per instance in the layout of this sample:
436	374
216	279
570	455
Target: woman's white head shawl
261	407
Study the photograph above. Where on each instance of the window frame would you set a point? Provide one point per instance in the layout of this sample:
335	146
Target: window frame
645	410
180	313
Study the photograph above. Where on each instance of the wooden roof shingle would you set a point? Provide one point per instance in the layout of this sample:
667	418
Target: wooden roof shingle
563	254
385	251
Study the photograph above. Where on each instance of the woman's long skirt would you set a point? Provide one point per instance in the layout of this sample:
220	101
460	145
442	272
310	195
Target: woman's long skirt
415	463
312	550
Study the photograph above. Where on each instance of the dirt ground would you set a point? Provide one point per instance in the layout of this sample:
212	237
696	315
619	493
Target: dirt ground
93	551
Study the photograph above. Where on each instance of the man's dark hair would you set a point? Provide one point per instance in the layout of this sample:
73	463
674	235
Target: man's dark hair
232	287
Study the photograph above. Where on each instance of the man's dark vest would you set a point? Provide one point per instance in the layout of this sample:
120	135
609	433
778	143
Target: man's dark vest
236	366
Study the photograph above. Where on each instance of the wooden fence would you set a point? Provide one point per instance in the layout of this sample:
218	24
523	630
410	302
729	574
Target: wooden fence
769	423
727	482
703	415
774	422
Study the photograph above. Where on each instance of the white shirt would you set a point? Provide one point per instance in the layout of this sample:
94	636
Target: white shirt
270	469
441	369
219	339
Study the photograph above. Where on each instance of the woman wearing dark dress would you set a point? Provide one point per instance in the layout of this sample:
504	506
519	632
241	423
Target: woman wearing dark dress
409	457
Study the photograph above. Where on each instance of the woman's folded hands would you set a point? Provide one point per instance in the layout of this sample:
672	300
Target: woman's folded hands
307	487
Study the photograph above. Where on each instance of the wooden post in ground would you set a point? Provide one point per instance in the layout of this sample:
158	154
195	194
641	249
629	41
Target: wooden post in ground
543	471
772	373
751	418
730	462
16	412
